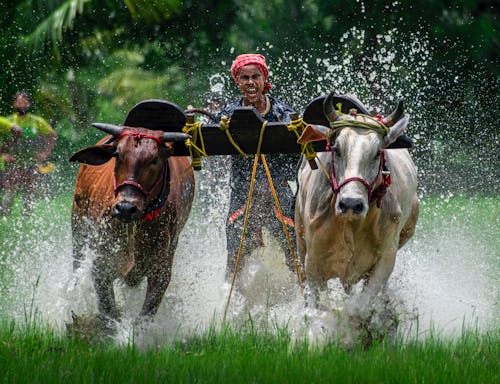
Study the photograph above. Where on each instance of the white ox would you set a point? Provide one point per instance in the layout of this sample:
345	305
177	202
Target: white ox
347	226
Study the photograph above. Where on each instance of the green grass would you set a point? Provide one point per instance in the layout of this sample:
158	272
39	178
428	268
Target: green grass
37	355
30	353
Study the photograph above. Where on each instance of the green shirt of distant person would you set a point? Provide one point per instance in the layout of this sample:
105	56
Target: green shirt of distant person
37	138
31	125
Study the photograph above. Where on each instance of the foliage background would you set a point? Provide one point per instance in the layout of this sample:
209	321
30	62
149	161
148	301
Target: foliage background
92	60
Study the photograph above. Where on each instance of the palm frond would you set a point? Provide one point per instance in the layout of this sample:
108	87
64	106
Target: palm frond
153	11
127	86
61	19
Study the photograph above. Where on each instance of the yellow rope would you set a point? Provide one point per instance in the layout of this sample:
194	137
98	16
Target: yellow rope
297	126
325	172
247	213
224	126
194	129
378	127
245	224
280	213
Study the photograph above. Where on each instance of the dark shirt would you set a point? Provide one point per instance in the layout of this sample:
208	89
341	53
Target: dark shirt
281	166
279	111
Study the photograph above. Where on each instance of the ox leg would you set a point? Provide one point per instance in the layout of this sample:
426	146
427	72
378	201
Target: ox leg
158	281
79	235
312	287
312	293
372	317
362	305
103	277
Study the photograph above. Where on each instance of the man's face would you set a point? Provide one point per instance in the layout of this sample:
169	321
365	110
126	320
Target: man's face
251	83
21	105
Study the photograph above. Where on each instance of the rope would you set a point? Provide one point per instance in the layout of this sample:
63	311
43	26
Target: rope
224	126
247	213
378	127
194	129
297	126
280	212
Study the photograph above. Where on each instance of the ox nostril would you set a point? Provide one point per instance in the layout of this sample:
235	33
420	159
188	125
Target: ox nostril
126	210
351	204
358	207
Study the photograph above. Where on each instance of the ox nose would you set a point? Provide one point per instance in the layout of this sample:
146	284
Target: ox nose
125	210
356	205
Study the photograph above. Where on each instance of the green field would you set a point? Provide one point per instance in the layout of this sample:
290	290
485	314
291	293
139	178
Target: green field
34	350
228	356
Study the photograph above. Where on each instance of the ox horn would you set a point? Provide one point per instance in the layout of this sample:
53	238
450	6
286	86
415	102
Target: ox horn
114	130
393	118
175	136
329	108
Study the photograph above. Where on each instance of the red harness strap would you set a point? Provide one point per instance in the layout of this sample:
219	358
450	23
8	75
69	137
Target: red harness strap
139	186
162	177
378	193
139	135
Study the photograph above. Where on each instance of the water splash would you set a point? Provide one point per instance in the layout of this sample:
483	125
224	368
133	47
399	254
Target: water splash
444	278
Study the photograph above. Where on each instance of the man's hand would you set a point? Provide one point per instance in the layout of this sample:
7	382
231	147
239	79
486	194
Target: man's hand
16	130
41	157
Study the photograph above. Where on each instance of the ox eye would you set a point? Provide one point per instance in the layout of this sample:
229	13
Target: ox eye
377	154
336	150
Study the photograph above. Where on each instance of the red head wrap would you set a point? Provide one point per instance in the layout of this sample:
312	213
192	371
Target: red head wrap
251	59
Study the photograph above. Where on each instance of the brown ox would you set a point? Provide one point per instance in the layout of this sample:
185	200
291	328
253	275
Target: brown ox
351	223
131	201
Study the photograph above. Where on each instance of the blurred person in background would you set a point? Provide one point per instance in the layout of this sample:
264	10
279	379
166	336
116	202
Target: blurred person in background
28	155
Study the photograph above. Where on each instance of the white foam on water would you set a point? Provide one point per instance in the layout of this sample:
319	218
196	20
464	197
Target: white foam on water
442	278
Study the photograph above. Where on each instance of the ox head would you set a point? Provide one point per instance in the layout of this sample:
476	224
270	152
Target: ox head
357	143
141	168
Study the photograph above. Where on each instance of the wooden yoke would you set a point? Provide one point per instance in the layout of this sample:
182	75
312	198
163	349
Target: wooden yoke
245	126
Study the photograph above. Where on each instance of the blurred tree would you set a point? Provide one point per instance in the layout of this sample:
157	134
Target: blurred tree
166	32
21	66
86	58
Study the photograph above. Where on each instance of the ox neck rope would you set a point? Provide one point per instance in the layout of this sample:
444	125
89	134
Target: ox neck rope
154	209
379	192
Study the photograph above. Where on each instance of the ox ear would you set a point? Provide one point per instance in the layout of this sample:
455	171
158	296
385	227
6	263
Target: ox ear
95	155
395	132
168	149
313	132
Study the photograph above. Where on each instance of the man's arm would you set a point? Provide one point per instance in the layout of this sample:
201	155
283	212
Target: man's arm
9	132
49	141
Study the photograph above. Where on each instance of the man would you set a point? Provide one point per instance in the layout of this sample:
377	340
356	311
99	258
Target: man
250	73
27	154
